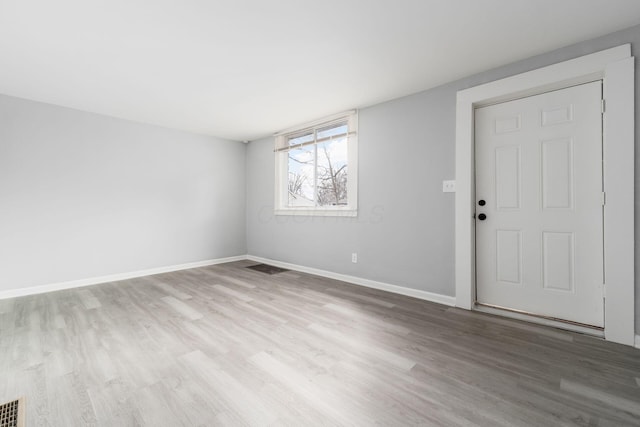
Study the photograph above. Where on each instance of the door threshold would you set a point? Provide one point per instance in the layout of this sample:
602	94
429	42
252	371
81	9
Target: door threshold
540	319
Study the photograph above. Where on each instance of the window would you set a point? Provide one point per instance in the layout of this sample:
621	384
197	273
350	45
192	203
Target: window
316	168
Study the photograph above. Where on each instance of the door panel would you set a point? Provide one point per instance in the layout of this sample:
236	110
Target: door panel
557	174
507	177
539	169
508	255
557	261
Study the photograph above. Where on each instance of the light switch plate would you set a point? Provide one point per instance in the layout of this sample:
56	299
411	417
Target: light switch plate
448	186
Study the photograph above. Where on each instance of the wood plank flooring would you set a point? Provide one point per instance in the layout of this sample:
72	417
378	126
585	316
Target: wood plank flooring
226	345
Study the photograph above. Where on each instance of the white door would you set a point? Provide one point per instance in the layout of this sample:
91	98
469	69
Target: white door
539	211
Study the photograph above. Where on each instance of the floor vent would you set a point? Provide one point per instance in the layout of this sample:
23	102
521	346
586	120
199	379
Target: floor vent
268	269
12	413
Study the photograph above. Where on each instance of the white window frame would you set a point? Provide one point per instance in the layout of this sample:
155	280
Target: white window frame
282	171
615	67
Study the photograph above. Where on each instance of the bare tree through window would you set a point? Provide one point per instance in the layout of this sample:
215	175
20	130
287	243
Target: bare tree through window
317	172
332	180
315	163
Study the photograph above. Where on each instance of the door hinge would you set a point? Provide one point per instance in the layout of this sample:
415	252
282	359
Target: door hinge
602	106
604	198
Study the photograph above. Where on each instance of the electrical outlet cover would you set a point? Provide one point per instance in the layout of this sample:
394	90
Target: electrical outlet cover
449	186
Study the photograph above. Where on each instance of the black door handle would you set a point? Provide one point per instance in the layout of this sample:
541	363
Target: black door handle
482	217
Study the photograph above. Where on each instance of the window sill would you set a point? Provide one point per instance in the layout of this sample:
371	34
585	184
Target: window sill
317	212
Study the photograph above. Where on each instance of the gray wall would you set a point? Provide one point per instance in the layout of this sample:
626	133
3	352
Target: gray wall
404	233
84	195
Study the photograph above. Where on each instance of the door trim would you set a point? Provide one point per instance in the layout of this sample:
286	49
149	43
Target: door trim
615	67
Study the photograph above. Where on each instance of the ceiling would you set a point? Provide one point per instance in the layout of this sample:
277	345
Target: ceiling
244	69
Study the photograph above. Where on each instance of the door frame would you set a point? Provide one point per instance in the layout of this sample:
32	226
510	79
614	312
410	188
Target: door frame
615	67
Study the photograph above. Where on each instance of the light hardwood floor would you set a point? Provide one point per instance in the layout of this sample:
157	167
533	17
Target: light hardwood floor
225	345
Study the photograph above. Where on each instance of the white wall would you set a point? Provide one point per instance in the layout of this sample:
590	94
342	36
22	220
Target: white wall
84	195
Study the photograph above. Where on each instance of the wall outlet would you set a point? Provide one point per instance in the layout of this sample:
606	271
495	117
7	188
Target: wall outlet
354	258
448	186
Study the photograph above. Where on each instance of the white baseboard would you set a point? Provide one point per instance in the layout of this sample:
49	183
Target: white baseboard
12	293
424	295
637	341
